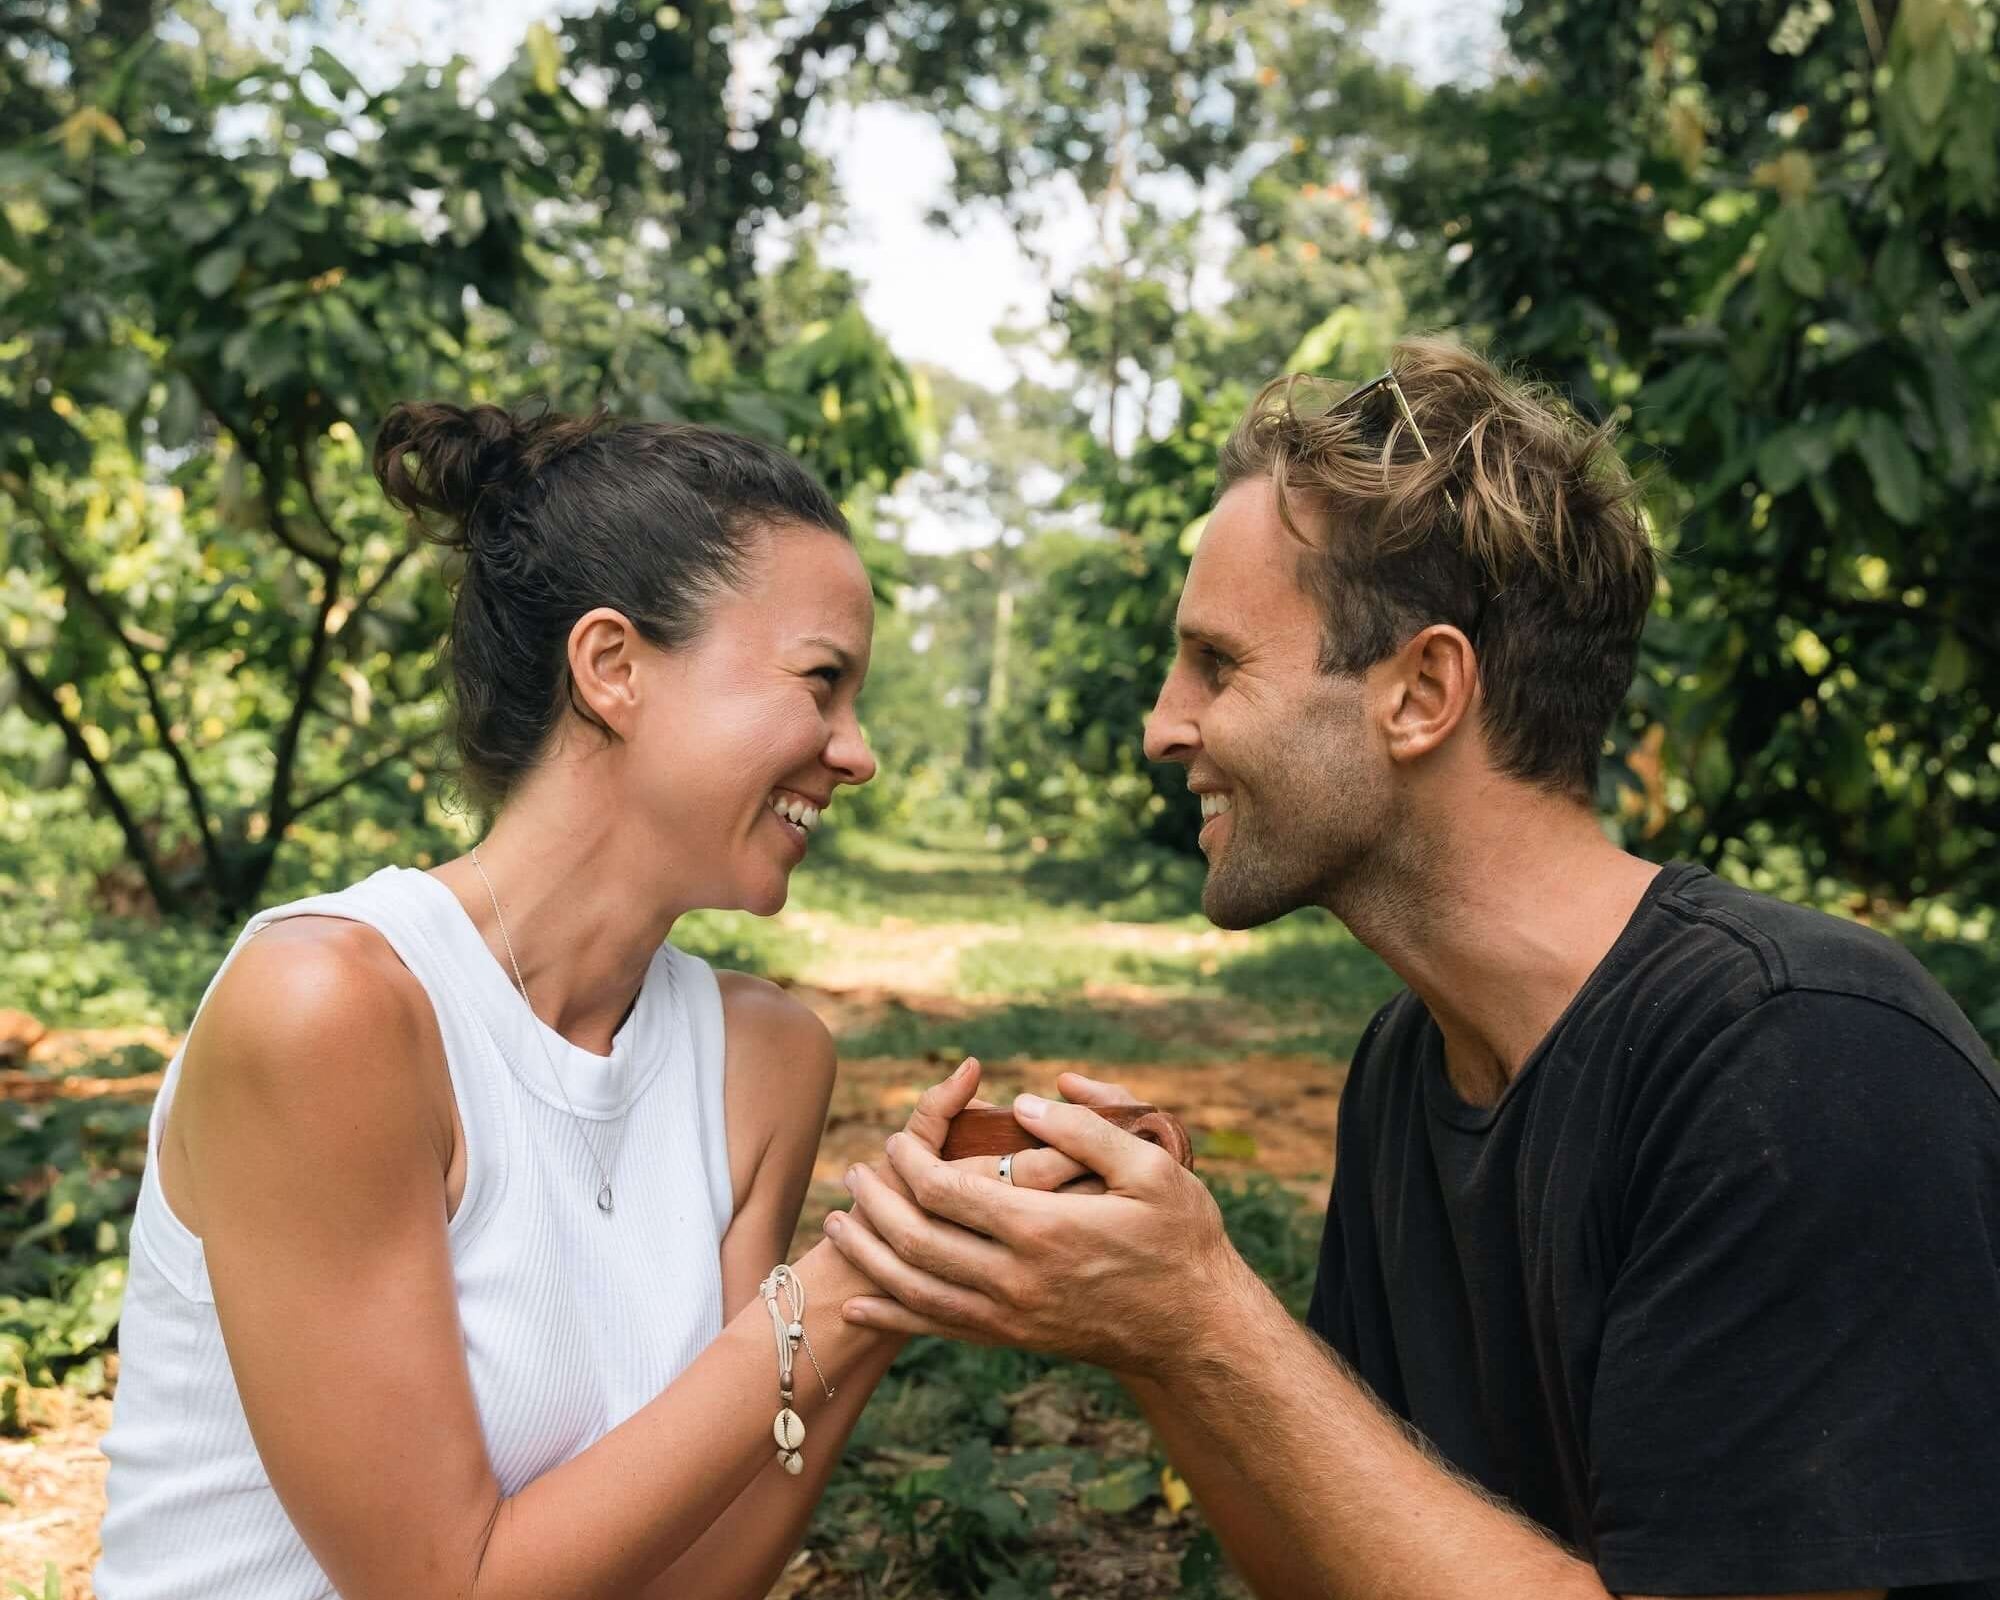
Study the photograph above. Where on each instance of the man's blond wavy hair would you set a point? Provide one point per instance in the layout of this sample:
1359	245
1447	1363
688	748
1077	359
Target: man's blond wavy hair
1522	528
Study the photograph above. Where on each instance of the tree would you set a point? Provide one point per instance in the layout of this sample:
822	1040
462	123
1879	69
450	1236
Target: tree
1213	145
218	271
1765	237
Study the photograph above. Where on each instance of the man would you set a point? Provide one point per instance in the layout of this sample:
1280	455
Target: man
1661	1257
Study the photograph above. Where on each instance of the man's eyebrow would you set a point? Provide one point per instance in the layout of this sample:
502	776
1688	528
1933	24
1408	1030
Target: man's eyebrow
1197	633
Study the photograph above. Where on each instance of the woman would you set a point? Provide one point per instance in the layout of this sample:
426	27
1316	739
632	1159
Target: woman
452	1272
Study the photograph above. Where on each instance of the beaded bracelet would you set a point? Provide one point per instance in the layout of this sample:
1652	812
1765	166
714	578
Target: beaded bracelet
788	1428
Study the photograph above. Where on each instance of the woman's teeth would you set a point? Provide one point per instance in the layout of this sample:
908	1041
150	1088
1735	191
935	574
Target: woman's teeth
801	813
1213	805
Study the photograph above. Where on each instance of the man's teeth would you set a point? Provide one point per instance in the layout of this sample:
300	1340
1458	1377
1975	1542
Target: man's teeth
1213	805
793	809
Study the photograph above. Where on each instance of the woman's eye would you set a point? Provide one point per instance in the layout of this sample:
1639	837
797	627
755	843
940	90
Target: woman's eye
831	675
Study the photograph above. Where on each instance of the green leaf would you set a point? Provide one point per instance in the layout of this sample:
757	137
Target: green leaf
1122	1488
341	81
544	57
1203	1567
1714	772
1848	772
1323	342
180	414
1952	665
1898	479
217	271
1227	1144
1795	246
1927	78
1791	455
1899	271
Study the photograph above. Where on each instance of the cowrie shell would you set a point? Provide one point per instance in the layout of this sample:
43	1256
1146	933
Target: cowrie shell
788	1430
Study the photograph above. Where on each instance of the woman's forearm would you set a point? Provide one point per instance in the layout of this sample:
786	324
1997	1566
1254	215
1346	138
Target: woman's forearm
648	1495
746	1548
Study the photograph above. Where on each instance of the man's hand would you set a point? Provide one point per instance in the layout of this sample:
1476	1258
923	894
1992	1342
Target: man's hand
931	1118
1117	1279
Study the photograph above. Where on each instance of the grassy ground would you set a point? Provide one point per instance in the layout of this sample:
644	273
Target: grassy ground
974	1473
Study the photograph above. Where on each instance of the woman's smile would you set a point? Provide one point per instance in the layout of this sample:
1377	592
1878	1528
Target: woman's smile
796	813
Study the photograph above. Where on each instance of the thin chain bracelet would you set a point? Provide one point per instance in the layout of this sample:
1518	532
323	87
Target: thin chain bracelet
788	1428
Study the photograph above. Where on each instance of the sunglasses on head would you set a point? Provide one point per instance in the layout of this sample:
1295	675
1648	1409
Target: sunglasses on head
1388	381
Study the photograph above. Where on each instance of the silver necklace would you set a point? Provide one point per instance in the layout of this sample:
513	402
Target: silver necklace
604	1192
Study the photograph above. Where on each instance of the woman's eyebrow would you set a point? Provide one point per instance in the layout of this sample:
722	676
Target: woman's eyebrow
839	650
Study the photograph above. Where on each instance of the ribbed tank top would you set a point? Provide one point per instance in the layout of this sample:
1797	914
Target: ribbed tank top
572	1319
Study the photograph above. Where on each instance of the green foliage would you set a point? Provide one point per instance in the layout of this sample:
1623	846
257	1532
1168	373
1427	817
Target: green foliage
1164	374
1760	242
1274	1234
51	1588
69	1176
216	273
1045	1032
968	1521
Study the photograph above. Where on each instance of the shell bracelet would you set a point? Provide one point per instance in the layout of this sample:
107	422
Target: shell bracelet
788	1428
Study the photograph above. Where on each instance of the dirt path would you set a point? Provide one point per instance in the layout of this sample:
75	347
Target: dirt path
1249	1112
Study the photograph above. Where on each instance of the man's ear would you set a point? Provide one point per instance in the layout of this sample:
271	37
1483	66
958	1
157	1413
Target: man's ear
604	652
1428	687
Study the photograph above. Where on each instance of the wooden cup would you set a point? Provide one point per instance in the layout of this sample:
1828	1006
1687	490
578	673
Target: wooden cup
992	1131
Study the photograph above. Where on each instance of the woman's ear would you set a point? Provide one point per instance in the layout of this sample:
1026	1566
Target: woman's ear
1430	685
604	667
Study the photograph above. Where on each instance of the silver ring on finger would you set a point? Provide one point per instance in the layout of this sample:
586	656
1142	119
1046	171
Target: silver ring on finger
1007	1167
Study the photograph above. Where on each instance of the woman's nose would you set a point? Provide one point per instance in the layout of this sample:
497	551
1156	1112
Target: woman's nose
849	757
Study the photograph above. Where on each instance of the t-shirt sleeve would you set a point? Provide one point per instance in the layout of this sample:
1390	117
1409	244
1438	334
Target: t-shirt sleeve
1799	1378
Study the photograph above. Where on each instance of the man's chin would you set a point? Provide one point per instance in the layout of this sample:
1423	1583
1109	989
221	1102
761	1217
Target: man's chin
1228	902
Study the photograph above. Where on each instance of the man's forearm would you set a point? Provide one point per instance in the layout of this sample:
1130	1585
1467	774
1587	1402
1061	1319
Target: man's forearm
1315	1490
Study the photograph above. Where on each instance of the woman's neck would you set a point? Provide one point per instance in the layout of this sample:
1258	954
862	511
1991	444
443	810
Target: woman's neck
584	916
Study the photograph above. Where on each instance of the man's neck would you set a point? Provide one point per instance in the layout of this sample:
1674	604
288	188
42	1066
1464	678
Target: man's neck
1496	926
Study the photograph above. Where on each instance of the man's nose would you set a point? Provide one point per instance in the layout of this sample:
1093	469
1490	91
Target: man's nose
1170	730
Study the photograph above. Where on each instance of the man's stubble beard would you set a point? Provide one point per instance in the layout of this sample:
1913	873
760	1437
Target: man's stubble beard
1322	829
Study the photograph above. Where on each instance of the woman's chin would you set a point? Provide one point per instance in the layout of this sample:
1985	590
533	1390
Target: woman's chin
768	898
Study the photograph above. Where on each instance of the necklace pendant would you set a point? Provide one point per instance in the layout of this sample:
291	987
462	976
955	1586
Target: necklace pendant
604	1198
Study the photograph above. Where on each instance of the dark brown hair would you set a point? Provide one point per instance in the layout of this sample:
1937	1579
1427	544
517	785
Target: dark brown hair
557	515
1522	528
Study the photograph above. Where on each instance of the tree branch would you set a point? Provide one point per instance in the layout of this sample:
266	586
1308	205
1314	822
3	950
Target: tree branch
136	844
363	773
245	437
328	561
79	582
304	457
303	687
382	580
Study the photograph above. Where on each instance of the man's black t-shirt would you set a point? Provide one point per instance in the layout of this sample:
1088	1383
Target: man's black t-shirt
1713	1292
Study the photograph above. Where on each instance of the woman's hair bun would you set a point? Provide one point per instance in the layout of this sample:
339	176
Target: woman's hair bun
456	462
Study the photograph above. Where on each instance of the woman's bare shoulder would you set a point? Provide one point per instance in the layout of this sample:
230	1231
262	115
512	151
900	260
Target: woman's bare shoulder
762	1020
307	986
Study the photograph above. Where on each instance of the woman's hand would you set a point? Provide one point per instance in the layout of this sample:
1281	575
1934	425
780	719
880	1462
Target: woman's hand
1043	1168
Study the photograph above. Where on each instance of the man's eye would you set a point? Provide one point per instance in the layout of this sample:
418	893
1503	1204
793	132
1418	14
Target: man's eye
1214	660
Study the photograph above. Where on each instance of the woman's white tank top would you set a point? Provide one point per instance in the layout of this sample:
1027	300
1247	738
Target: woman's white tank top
572	1319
